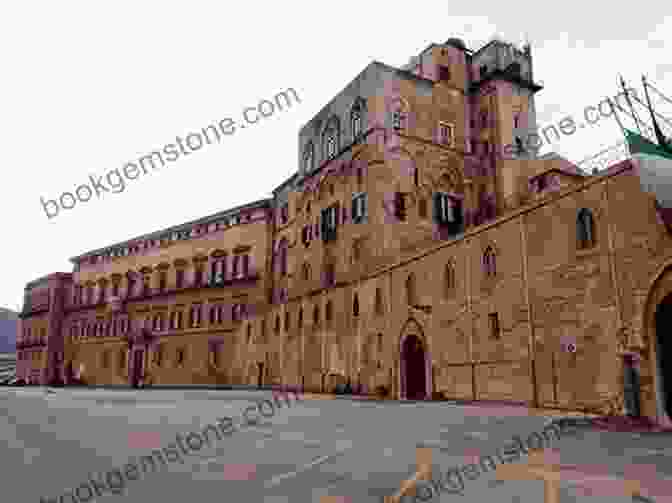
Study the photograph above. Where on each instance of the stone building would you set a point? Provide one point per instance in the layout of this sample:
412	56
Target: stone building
421	247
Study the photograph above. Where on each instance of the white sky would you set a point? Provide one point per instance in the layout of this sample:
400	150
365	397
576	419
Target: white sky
89	86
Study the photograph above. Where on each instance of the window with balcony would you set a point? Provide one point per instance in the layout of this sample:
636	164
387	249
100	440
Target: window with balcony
448	213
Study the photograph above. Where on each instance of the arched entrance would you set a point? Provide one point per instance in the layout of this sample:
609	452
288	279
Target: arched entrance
663	338
415	373
413	359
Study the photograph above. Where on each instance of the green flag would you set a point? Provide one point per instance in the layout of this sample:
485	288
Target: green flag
653	165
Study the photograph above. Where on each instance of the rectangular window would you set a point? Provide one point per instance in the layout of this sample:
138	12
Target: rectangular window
444	72
162	281
493	319
359	208
179	278
115	289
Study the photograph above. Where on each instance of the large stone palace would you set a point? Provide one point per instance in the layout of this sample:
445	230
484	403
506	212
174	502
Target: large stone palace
422	249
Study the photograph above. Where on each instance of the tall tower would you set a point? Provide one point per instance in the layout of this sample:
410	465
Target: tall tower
502	115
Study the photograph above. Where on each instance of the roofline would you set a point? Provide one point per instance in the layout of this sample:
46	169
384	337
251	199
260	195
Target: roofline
284	184
207	219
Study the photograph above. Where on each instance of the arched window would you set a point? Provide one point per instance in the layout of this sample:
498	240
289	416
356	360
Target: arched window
286	321
158	323
305	272
410	290
282	251
249	333
379	350
329	312
330	139
356	120
300	317
355	306
449	279
316	315
489	262
585	229
277	324
308	156
379	302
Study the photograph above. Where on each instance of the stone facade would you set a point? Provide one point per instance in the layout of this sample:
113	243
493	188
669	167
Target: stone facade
412	251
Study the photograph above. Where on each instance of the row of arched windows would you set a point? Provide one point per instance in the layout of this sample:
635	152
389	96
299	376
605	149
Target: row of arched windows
331	135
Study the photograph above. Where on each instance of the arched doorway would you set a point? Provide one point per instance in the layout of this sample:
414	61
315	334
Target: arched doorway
413	368
663	321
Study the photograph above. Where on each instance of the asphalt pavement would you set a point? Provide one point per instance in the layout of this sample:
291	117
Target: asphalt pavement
54	440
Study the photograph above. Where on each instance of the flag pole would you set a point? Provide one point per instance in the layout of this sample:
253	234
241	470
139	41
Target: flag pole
663	142
627	98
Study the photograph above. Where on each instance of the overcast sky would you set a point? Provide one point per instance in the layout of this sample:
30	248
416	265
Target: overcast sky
89	86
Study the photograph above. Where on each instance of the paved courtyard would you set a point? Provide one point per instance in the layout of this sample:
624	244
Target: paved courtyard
52	440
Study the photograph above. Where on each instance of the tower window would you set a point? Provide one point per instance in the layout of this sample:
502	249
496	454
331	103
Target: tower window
585	229
398	120
444	72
